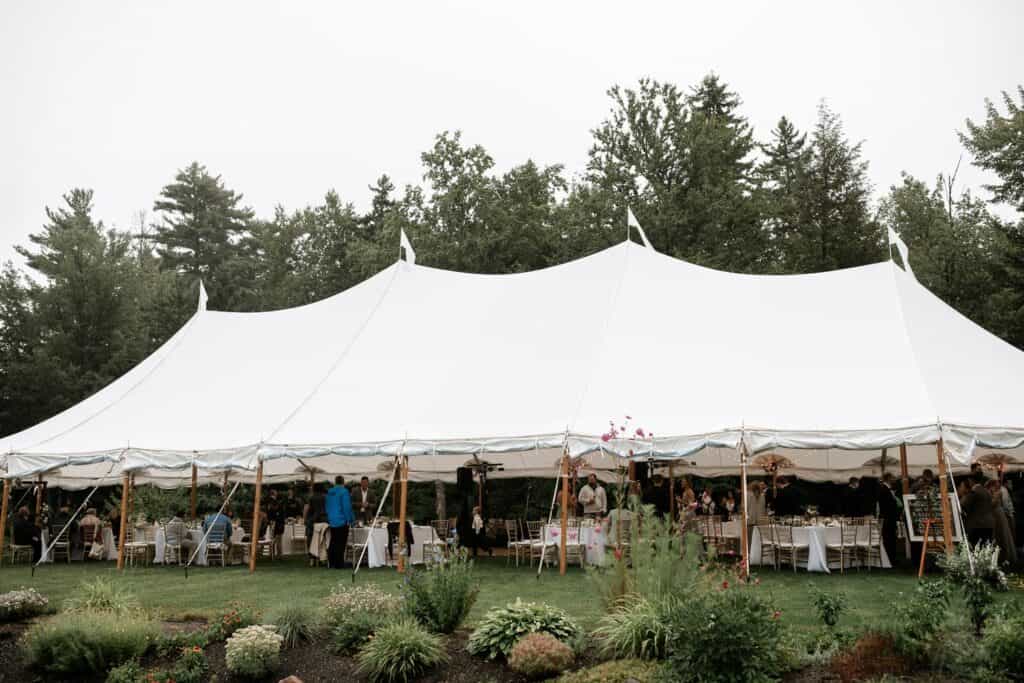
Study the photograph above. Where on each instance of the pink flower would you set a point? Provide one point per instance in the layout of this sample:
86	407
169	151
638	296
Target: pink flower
725	585
606	437
617	553
640	432
776	614
628	417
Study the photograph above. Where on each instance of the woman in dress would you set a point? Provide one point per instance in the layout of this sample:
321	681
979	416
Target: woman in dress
1001	530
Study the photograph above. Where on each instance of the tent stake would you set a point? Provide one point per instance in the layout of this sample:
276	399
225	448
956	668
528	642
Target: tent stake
124	522
401	514
254	537
3	516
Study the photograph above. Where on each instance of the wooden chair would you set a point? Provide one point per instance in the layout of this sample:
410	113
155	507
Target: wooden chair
60	543
358	538
514	545
847	548
870	543
788	549
769	544
435	548
16	551
173	543
538	549
135	546
575	549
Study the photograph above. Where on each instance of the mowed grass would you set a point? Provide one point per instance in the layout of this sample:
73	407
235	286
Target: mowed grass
206	591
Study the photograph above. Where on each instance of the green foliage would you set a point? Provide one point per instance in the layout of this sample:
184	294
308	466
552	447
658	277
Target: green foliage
918	619
441	596
725	635
539	655
346	601
296	624
190	667
1003	644
636	629
501	628
21	604
352	632
975	577
79	644
129	672
401	651
829	605
237	616
101	595
617	671
253	651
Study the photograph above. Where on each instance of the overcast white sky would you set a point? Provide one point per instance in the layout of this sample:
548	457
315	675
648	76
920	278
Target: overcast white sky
287	100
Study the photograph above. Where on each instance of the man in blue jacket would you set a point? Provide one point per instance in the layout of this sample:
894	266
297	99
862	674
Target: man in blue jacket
339	516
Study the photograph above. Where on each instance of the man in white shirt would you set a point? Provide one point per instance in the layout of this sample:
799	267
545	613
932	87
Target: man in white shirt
593	498
363	502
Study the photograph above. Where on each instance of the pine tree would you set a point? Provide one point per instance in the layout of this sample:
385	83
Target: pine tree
783	175
202	234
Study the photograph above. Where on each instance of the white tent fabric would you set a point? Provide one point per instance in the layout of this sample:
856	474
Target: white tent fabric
441	365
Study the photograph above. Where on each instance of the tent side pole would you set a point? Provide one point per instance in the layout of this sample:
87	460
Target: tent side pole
744	531
131	497
401	513
124	522
565	513
904	476
3	516
947	514
192	497
254	537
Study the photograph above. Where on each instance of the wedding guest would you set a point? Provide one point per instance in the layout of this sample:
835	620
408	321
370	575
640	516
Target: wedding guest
889	511
1001	524
728	506
115	522
314	512
594	498
339	518
976	506
220	522
276	515
657	495
364	502
787	500
27	533
91	520
852	504
689	497
926	481
757	504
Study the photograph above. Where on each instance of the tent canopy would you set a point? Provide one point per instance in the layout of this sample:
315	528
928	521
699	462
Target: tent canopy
826	368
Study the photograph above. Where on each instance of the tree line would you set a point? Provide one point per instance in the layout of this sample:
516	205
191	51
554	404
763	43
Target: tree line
95	301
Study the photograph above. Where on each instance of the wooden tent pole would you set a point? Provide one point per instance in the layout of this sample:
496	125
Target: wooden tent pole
565	513
402	506
192	499
131	497
744	531
124	521
904	476
947	514
3	516
39	497
254	537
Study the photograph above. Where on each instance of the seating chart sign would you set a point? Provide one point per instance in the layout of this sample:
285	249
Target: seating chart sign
916	510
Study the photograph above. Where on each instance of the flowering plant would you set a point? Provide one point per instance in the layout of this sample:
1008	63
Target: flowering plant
540	655
21	604
344	601
253	651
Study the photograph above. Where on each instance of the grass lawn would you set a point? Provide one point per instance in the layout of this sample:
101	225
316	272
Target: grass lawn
207	590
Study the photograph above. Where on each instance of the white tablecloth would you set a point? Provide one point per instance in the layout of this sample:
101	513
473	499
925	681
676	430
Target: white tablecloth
592	538
376	547
420	535
816	538
196	536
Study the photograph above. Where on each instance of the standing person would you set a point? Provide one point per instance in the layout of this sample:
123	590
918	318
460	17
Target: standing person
364	502
594	498
115	523
787	501
757	504
27	533
276	516
851	502
977	509
889	511
1001	524
926	481
339	517
314	513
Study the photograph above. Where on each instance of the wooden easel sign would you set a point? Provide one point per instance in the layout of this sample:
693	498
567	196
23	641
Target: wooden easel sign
917	513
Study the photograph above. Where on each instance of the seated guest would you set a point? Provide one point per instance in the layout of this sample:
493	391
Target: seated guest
62	518
27	533
89	527
220	522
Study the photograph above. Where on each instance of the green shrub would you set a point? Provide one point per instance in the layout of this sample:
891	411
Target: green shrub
237	616
253	651
1003	645
981	561
87	643
401	651
350	634
441	596
635	630
191	667
618	671
129	672
724	635
101	595
829	606
918	618
345	601
296	624
539	655
502	627
21	604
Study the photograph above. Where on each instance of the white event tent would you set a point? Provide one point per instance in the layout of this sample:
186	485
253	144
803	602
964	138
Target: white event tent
827	369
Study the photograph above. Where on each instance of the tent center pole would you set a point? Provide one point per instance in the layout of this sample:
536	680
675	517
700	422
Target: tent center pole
3	516
947	514
904	475
124	521
401	513
565	512
745	530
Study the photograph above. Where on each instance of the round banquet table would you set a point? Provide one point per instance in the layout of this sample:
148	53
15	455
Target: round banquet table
592	538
